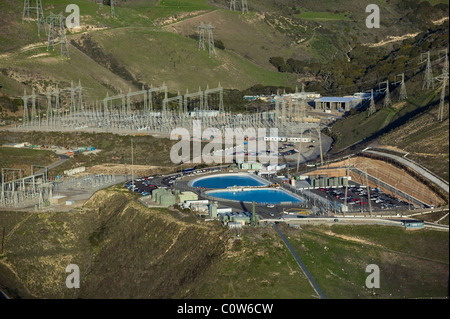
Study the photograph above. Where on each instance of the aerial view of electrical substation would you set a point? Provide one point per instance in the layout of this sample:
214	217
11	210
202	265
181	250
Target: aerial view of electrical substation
226	150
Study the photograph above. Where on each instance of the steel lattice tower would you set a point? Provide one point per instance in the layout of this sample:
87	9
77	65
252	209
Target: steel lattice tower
57	30
403	95
244	6
211	47
233	5
372	108
428	80
387	96
201	40
40	18
443	78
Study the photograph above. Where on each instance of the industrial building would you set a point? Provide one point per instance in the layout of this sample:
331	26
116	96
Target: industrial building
337	103
186	196
326	182
163	197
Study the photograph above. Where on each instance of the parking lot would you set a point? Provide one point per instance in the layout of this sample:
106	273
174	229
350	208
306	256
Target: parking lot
358	200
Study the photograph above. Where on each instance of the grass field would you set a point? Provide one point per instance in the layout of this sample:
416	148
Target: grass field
167	8
412	264
23	159
309	15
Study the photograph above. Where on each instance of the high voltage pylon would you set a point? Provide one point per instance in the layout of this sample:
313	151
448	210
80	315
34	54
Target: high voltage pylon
443	78
202	38
233	5
211	47
387	95
40	18
57	31
428	80
244	6
113	12
403	95
372	108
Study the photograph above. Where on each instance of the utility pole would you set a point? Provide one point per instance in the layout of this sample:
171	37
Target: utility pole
112	8
320	144
132	165
368	193
346	187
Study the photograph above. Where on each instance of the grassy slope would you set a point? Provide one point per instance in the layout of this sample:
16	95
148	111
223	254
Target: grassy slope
115	149
24	158
157	253
155	53
410	267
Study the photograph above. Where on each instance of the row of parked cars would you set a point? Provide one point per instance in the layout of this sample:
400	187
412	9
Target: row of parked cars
143	186
359	195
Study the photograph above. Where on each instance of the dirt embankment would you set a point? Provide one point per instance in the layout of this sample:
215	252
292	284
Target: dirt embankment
391	175
123	250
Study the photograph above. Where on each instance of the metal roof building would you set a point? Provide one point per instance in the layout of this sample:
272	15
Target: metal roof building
336	103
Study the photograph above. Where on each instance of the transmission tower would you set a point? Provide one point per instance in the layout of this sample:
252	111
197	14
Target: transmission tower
201	39
112	8
244	6
402	96
27	11
233	5
372	108
387	95
428	80
443	78
57	30
211	48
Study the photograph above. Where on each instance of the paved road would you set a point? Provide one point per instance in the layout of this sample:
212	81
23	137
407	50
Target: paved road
414	167
300	263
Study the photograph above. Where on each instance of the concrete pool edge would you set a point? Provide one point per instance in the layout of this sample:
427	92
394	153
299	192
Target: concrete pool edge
246	188
257	178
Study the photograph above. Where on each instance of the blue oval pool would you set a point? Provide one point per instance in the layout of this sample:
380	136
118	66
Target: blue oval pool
228	180
262	196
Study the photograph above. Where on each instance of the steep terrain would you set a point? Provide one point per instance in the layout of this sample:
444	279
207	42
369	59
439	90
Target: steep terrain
125	250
